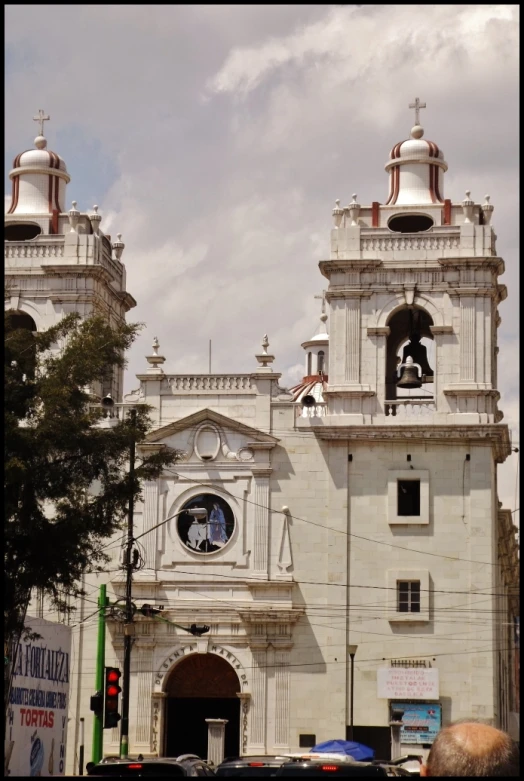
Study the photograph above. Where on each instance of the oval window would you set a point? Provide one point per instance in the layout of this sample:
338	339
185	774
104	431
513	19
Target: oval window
410	223
207	444
209	532
21	231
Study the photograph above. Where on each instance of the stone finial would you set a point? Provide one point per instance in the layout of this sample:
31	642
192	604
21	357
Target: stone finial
155	361
95	219
487	210
468	207
338	213
263	358
118	246
354	210
74	217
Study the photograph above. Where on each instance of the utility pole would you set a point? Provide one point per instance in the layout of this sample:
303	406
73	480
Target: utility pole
98	721
128	627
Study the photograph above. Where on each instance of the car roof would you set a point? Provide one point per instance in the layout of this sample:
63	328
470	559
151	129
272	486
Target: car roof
254	758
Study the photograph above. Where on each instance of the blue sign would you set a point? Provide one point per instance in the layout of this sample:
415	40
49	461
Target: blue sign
420	723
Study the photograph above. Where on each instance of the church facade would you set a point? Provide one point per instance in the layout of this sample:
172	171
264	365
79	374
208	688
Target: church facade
348	552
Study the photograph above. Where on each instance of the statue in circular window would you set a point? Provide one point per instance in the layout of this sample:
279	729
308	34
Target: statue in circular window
206	534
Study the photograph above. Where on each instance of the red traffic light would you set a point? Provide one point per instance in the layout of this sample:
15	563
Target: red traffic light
113	691
113	676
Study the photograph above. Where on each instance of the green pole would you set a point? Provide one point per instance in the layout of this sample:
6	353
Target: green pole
98	722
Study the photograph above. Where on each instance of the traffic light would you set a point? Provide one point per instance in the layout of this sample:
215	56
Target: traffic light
96	703
111	691
198	629
149	610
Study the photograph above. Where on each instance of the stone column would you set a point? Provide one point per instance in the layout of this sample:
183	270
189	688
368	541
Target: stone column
282	684
467	339
150	520
261	525
144	685
258	707
353	341
244	698
216	733
158	723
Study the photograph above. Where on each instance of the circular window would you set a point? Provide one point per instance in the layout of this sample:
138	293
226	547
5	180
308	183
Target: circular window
206	534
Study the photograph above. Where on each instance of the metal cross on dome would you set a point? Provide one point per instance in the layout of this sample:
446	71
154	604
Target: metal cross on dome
417	105
41	118
323	299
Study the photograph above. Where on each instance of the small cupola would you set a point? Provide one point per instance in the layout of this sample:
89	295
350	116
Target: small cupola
416	175
39	178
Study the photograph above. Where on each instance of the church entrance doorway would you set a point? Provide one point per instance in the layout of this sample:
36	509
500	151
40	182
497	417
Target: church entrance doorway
202	686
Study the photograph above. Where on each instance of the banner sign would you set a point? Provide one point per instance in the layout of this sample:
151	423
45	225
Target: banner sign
38	702
407	683
420	723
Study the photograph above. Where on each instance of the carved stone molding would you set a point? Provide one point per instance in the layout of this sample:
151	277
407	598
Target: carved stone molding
379	331
437	330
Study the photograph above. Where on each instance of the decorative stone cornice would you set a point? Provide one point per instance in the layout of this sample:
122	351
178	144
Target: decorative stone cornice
351	391
275	616
328	267
496	435
473	262
379	331
341	291
436	330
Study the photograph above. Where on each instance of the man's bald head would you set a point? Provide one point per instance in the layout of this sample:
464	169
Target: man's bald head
470	748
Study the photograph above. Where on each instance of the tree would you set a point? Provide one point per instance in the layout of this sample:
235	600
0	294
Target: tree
55	527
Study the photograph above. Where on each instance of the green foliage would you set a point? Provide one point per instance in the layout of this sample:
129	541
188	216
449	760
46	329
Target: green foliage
55	526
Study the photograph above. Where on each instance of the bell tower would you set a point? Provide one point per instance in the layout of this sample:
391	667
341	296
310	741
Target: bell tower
59	261
408	427
413	293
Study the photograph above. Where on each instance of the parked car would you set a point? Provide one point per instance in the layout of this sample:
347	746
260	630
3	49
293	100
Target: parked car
301	766
186	765
250	766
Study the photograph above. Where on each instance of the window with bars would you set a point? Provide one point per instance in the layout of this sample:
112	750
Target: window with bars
408	596
408	497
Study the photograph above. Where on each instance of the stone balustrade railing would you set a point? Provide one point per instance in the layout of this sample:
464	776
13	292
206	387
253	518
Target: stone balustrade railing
45	248
409	408
384	241
211	383
317	411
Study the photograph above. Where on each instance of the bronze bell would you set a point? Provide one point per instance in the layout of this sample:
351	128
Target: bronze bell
409	377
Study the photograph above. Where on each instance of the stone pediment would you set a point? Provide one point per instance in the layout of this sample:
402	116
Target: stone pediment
209	436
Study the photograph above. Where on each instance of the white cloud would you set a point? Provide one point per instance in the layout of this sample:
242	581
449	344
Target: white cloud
225	205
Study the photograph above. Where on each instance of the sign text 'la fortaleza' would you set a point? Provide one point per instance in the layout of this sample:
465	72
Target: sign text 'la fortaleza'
38	702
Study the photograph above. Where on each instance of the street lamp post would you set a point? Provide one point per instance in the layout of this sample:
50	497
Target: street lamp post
352	649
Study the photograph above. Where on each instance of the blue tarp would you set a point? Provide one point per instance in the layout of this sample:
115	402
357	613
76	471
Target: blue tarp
348	747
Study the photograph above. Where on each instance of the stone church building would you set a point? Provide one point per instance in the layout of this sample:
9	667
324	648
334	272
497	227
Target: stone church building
353	556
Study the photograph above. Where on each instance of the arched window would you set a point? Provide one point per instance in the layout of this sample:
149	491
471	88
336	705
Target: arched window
20	347
410	335
308	364
320	361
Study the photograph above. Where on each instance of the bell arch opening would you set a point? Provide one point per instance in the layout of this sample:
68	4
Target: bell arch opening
21	346
200	687
410	355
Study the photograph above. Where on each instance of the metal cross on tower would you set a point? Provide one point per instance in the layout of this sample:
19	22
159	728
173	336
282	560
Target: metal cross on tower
41	118
323	299
417	105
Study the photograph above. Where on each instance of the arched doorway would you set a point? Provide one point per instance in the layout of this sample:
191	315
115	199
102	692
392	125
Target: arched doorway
201	686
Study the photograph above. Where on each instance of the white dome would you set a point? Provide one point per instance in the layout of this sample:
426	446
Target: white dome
39	179
416	167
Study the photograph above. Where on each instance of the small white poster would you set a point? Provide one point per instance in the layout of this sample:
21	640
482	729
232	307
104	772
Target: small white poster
407	683
36	727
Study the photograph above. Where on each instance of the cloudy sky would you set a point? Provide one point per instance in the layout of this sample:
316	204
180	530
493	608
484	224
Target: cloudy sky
216	139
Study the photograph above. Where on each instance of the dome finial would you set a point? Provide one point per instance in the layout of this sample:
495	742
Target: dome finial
417	131
40	141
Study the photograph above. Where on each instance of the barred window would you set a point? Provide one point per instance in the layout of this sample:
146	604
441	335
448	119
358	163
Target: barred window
408	596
